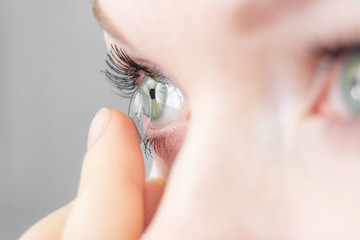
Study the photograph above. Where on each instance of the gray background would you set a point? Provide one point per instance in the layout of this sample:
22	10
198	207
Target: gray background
51	56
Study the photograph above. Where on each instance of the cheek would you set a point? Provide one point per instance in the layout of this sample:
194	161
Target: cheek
330	151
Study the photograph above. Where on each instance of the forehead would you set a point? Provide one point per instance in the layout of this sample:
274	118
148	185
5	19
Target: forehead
247	15
254	15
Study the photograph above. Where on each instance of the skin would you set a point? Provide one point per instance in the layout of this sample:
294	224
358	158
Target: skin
269	151
112	181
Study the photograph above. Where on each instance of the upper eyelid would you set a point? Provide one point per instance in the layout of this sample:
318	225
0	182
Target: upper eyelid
323	24
122	58
141	64
125	73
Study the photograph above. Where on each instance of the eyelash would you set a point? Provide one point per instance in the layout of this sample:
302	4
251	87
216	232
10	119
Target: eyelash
124	73
156	144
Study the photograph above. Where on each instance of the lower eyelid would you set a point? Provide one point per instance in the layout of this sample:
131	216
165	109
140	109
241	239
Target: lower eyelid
168	140
344	136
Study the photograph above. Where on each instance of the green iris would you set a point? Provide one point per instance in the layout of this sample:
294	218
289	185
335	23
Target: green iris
154	95
350	82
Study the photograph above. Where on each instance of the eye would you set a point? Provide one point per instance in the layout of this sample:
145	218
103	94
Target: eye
156	103
342	99
350	83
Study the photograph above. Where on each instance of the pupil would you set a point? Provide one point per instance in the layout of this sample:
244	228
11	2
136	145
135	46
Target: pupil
152	93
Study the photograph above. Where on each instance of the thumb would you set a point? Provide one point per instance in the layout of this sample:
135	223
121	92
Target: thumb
110	202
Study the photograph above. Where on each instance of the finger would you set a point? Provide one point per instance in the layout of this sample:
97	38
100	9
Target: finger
110	202
153	192
50	227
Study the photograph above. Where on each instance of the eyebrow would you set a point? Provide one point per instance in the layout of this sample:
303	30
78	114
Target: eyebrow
255	15
107	25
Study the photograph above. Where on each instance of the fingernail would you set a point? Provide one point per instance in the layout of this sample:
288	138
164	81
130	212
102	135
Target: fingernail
158	180
98	125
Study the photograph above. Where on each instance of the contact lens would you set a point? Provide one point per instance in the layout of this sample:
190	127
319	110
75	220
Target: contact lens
156	101
136	111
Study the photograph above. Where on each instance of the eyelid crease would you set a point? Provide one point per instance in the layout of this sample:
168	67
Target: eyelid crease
336	48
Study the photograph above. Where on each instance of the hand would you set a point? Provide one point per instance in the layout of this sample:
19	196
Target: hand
114	201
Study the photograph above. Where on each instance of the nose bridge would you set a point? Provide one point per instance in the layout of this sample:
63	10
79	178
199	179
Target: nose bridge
239	99
235	109
238	138
233	135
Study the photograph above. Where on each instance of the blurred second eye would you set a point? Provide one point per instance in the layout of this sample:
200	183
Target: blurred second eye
341	97
350	82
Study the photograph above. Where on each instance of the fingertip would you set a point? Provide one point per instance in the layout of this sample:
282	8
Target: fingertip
102	119
98	125
125	123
